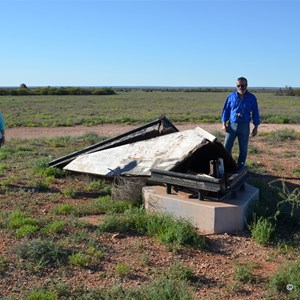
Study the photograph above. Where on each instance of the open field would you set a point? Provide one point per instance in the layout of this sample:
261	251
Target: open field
137	107
50	251
63	236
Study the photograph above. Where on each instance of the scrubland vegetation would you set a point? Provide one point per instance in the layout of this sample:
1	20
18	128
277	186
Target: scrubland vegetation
50	249
138	107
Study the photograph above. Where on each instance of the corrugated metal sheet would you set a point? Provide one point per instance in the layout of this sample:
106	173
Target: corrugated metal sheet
159	127
139	158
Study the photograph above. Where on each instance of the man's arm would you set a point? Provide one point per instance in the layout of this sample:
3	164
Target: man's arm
254	131
225	114
224	126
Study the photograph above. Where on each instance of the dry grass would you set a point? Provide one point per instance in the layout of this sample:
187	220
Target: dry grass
128	188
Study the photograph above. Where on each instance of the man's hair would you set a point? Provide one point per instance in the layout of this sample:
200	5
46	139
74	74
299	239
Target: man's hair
243	79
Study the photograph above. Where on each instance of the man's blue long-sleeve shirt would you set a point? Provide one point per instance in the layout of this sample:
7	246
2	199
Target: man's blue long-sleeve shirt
241	110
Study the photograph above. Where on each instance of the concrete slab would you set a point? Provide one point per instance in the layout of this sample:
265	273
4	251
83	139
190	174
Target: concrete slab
210	217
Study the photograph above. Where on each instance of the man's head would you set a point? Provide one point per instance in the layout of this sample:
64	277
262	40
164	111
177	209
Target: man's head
241	85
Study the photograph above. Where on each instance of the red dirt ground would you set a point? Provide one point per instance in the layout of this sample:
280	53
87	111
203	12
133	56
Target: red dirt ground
214	268
109	130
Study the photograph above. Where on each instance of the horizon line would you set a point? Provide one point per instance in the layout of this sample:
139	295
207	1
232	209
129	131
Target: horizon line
146	86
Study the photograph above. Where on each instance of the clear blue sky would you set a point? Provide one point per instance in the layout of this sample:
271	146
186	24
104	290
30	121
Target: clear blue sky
149	43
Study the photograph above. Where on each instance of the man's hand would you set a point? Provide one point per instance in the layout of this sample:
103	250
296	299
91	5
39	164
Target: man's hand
2	140
224	126
254	131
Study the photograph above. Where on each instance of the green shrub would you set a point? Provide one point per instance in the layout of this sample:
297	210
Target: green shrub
58	142
124	223
53	172
287	274
55	227
69	192
99	185
18	219
282	135
164	227
43	252
171	231
40	165
160	289
79	259
41	168
243	272
165	289
103	205
95	185
41	186
122	269
90	138
4	167
94	252
26	230
64	209
42	295
22	224
86	256
262	230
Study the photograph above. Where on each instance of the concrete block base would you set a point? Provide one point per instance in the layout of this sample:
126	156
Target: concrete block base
210	217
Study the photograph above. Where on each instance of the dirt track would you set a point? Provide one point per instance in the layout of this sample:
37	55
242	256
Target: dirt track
109	130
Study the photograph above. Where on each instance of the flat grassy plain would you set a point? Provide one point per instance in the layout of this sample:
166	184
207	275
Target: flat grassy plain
137	107
48	249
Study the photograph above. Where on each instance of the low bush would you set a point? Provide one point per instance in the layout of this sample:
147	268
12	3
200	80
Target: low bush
26	231
96	185
163	289
103	205
79	259
58	226
69	192
41	251
18	219
21	224
122	269
41	168
262	230
41	295
287	280
165	228
64	209
281	135
243	272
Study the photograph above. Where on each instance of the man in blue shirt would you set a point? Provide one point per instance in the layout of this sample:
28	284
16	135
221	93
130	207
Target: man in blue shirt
239	109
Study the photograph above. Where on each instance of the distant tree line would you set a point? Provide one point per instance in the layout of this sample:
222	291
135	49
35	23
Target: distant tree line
23	90
288	91
187	90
